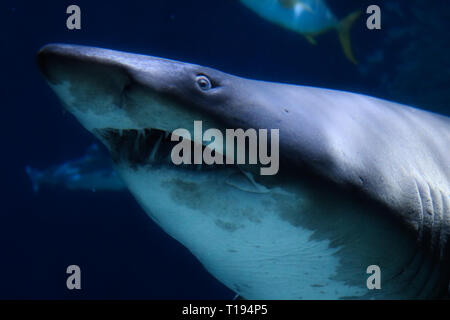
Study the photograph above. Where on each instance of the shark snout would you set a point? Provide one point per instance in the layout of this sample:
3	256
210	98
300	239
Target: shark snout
60	63
106	89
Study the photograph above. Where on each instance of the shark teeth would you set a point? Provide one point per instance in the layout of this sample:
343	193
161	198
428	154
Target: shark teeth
140	147
155	149
142	134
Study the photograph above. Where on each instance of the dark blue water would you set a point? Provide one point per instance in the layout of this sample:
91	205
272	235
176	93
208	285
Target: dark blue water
122	254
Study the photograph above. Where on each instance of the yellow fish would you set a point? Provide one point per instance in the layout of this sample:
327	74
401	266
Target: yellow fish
307	17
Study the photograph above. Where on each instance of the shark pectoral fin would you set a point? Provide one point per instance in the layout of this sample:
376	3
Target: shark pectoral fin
245	182
311	39
344	35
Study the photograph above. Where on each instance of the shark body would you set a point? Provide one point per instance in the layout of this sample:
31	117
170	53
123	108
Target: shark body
362	181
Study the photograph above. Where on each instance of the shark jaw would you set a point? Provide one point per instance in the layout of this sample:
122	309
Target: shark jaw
278	237
254	235
238	224
239	228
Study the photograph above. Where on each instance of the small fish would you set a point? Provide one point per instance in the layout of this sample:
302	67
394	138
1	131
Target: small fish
307	17
93	172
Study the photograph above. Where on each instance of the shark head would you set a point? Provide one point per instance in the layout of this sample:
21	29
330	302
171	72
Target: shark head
133	103
291	235
114	93
111	89
108	89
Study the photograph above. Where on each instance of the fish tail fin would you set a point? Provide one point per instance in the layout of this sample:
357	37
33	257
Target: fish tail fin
344	35
311	39
35	176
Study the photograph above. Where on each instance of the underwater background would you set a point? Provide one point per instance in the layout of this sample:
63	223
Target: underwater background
121	252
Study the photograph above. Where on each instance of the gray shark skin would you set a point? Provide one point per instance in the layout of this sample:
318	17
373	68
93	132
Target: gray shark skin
93	172
362	181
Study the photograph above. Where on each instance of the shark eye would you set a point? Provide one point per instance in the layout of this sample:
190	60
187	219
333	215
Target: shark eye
203	82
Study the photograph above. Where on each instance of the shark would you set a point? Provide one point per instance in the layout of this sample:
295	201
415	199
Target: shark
362	181
91	172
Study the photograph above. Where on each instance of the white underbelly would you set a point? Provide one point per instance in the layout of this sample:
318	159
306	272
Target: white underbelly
240	237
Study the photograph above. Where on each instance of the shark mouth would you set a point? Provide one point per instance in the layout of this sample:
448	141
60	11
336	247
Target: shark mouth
153	147
147	147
